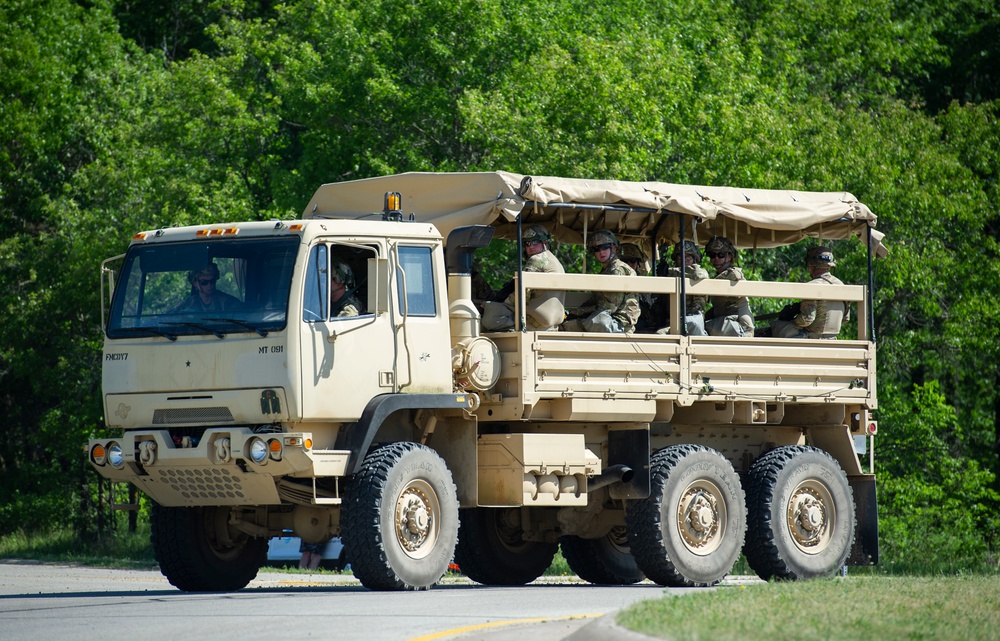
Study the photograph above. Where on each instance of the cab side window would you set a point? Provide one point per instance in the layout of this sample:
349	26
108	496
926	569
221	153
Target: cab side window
336	283
317	293
416	268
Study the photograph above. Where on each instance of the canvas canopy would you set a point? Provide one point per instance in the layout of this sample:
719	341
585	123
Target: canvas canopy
572	208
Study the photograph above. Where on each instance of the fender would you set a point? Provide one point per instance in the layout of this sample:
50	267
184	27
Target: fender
358	437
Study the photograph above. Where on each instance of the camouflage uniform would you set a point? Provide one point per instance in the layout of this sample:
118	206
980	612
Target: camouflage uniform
620	307
631	253
816	318
729	315
543	309
350	307
696	305
695	320
220	301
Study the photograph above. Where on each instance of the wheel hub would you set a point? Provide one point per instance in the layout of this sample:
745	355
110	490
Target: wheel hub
809	520
415	522
701	518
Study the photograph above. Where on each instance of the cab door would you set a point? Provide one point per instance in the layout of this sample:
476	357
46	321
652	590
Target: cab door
346	359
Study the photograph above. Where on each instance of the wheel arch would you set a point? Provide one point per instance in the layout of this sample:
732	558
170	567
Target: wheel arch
358	437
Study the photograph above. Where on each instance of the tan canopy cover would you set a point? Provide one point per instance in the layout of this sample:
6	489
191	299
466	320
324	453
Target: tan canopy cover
635	211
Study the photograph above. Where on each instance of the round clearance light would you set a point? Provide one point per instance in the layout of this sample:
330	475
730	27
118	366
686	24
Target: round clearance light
115	455
98	455
258	451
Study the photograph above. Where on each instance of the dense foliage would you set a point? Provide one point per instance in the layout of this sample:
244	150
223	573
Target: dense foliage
120	115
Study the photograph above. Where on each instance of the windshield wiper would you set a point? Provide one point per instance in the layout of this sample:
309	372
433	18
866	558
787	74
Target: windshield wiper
262	332
203	328
148	330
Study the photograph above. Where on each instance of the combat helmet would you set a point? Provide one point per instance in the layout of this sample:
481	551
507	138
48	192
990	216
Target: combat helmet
344	274
689	248
536	232
721	244
211	270
601	237
820	256
631	251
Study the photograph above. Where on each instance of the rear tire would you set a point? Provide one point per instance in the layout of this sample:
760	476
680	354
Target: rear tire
400	518
604	561
198	552
802	517
689	531
492	549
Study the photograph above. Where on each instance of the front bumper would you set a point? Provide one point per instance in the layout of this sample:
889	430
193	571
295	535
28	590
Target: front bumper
215	469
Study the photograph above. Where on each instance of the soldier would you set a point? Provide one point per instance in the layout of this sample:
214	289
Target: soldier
813	318
633	256
729	315
695	319
609	312
204	296
342	300
544	308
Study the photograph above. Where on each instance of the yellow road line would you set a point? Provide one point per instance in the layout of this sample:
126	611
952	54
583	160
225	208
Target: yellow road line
496	624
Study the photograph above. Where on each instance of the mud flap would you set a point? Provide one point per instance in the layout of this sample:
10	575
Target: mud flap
865	550
631	448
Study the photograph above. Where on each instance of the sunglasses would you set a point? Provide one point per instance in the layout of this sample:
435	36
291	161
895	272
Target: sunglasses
600	248
206	281
717	255
531	243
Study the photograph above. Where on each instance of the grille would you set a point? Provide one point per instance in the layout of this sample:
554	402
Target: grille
301	494
192	415
203	483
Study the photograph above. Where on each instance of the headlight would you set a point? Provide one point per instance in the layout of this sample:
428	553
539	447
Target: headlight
258	451
115	456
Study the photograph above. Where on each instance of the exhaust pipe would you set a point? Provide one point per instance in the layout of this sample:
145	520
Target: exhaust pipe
612	474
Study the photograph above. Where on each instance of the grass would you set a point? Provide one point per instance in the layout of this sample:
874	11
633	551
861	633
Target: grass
886	608
123	549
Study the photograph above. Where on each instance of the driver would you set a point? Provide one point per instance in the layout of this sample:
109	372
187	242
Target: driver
204	295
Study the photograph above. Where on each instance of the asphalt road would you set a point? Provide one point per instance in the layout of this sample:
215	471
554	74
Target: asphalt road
67	603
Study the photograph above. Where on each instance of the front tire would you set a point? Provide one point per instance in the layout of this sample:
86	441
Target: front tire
198	552
492	549
690	530
801	514
400	519
604	561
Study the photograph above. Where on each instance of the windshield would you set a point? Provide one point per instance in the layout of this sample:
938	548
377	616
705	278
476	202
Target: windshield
206	287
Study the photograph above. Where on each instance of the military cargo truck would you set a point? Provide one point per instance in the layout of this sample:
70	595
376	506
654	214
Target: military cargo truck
246	403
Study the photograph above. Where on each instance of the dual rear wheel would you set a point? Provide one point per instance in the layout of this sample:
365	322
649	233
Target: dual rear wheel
796	521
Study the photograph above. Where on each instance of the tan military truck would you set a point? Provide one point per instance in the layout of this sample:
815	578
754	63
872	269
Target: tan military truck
248	400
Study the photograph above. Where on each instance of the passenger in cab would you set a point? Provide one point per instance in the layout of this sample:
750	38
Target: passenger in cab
813	318
729	315
608	312
343	303
691	260
544	308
